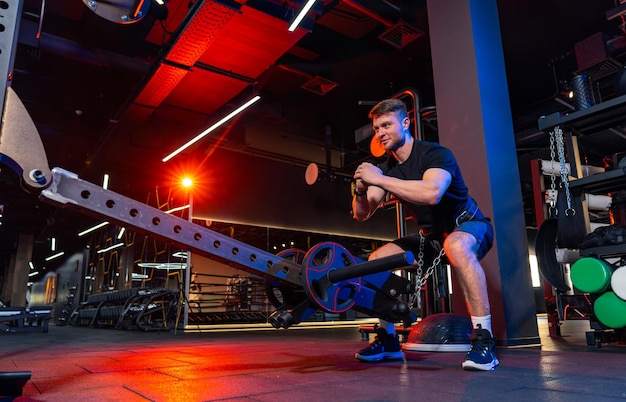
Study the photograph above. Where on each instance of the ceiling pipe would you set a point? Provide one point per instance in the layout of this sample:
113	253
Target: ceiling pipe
93	56
45	42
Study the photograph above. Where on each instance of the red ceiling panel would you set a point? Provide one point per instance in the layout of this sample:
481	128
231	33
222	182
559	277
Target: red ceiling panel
161	84
238	44
250	43
204	91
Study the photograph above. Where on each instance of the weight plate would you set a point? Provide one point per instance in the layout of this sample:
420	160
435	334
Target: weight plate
292	254
318	262
278	294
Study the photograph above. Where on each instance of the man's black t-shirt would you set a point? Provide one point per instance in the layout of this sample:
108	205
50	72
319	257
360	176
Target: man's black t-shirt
438	218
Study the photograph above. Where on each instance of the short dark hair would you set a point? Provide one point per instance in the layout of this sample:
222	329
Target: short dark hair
388	106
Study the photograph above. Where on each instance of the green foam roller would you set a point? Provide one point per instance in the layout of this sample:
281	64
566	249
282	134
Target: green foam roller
590	275
610	310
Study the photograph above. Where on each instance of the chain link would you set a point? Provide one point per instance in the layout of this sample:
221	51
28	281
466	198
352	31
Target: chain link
421	278
552	193
564	173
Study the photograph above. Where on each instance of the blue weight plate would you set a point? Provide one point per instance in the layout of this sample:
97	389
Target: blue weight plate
318	262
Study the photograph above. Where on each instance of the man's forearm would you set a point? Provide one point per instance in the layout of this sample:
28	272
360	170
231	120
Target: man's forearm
361	207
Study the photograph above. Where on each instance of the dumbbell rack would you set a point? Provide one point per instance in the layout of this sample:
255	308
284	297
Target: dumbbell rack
605	183
586	122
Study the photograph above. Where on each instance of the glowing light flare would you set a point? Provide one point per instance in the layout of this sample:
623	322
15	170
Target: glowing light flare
57	255
213	127
113	247
534	271
93	228
187	182
301	15
176	209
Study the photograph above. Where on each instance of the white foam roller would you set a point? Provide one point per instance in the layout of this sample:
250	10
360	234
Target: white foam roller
594	225
598	202
618	282
554	168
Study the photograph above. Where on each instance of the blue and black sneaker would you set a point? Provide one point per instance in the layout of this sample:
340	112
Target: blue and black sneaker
482	355
385	346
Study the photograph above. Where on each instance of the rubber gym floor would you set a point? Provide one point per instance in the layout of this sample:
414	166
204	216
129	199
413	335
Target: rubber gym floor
91	364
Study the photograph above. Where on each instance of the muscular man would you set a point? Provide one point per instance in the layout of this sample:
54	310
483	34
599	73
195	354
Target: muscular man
426	178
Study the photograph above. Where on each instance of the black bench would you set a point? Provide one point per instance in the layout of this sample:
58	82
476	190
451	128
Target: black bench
14	319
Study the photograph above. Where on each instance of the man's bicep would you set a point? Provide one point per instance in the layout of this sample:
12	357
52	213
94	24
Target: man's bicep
439	178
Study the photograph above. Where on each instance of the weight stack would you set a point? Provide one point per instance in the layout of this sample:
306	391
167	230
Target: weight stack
592	275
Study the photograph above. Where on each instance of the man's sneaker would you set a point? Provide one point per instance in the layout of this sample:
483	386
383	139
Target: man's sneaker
385	346
482	355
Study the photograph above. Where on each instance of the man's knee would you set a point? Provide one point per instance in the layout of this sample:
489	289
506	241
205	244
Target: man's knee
459	244
385	251
452	243
459	241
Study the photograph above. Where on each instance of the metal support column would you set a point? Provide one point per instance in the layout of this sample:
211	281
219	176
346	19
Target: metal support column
21	269
475	122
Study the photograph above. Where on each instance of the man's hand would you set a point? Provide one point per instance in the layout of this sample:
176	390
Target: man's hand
368	191
365	175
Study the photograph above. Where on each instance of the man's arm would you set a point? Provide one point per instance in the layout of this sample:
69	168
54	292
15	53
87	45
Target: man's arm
366	200
427	191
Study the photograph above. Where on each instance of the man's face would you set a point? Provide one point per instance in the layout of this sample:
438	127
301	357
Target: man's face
389	130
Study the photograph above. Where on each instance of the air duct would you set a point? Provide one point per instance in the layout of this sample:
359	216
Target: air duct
382	11
399	33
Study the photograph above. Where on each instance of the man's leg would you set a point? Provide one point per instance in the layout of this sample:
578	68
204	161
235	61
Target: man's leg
387	344
461	248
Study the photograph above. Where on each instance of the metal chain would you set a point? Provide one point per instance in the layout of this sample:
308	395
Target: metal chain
551	194
564	174
415	299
